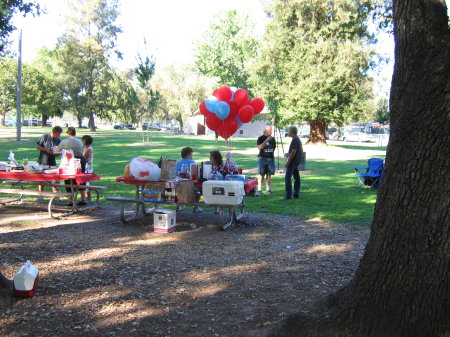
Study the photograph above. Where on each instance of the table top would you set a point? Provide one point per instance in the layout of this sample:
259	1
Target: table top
249	185
79	178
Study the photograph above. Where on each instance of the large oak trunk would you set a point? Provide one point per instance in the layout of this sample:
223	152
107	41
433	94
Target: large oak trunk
402	285
318	130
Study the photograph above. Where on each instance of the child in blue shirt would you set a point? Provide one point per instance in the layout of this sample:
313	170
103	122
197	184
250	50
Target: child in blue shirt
185	161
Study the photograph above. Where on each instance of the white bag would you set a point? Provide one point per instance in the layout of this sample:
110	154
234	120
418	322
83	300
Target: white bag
25	277
143	169
68	164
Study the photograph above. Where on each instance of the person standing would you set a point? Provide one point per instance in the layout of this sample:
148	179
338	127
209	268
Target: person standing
266	160
45	146
74	144
292	162
88	153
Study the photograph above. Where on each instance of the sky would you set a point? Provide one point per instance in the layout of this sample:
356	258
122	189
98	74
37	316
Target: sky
169	26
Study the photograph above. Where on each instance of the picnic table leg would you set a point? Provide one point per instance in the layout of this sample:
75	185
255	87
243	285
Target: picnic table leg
231	220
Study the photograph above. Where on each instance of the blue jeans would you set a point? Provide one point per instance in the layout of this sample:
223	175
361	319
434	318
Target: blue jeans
292	170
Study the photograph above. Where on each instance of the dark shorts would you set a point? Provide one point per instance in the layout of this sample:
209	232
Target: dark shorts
266	166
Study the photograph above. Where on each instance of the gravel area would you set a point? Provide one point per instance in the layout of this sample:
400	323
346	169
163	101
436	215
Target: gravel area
99	277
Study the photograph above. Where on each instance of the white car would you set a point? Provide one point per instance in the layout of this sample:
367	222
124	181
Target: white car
357	135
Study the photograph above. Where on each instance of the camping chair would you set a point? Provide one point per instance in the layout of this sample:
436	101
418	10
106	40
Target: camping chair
372	174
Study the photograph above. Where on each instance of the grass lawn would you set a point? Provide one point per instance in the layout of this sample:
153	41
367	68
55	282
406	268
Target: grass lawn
329	187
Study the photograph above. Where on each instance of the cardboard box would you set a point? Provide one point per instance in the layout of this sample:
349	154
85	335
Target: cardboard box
168	169
185	191
164	221
154	191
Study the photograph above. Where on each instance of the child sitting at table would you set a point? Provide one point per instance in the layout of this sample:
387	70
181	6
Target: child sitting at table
88	153
219	166
183	167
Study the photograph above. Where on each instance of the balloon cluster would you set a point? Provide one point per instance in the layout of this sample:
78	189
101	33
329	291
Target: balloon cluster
228	108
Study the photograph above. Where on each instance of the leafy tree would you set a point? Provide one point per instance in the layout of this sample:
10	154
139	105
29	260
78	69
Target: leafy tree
314	63
382	114
8	86
401	287
84	52
227	48
182	89
7	10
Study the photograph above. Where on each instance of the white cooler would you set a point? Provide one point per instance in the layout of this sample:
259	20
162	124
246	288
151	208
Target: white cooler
223	192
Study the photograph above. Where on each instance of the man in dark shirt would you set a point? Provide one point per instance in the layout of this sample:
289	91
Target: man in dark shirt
45	146
292	162
266	161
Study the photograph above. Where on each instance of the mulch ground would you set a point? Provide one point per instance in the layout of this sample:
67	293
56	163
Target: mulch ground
99	277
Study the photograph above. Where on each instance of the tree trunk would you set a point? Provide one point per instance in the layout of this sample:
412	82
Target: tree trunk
402	285
92	122
44	120
318	129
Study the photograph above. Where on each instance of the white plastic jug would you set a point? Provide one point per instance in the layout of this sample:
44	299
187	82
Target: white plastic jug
25	277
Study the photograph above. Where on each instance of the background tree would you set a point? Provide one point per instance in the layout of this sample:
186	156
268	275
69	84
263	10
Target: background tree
226	49
84	52
7	10
314	63
182	88
8	86
382	114
401	287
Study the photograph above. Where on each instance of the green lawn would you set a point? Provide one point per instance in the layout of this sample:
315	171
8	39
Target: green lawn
329	189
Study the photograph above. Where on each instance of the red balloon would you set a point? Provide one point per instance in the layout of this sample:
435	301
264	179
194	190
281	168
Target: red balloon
203	110
246	113
213	122
224	93
215	92
241	97
234	109
257	105
230	127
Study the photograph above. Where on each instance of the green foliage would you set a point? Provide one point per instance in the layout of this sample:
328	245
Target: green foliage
226	50
315	60
84	52
383	115
7	9
182	89
8	80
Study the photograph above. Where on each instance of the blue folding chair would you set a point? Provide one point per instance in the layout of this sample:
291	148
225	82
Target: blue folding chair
372	175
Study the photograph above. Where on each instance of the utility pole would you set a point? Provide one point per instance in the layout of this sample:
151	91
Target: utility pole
19	91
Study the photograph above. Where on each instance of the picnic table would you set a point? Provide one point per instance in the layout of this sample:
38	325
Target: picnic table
18	180
235	211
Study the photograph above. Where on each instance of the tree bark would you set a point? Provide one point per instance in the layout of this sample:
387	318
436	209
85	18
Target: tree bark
318	129
402	284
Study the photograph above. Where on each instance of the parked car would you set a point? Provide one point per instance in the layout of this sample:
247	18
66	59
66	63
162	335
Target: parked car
357	135
151	126
118	127
10	123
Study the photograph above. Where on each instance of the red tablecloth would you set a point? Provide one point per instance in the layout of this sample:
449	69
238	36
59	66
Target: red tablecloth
79	178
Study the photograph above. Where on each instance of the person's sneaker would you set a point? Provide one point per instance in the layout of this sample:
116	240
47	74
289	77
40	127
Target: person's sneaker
269	192
81	203
89	201
197	209
258	194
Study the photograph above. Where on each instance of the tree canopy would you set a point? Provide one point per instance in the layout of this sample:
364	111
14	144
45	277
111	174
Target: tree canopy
314	62
226	49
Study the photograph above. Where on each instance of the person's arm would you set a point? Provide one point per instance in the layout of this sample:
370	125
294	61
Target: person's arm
87	153
43	149
263	144
291	156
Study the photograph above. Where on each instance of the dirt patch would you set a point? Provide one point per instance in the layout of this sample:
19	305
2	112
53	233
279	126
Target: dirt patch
102	278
